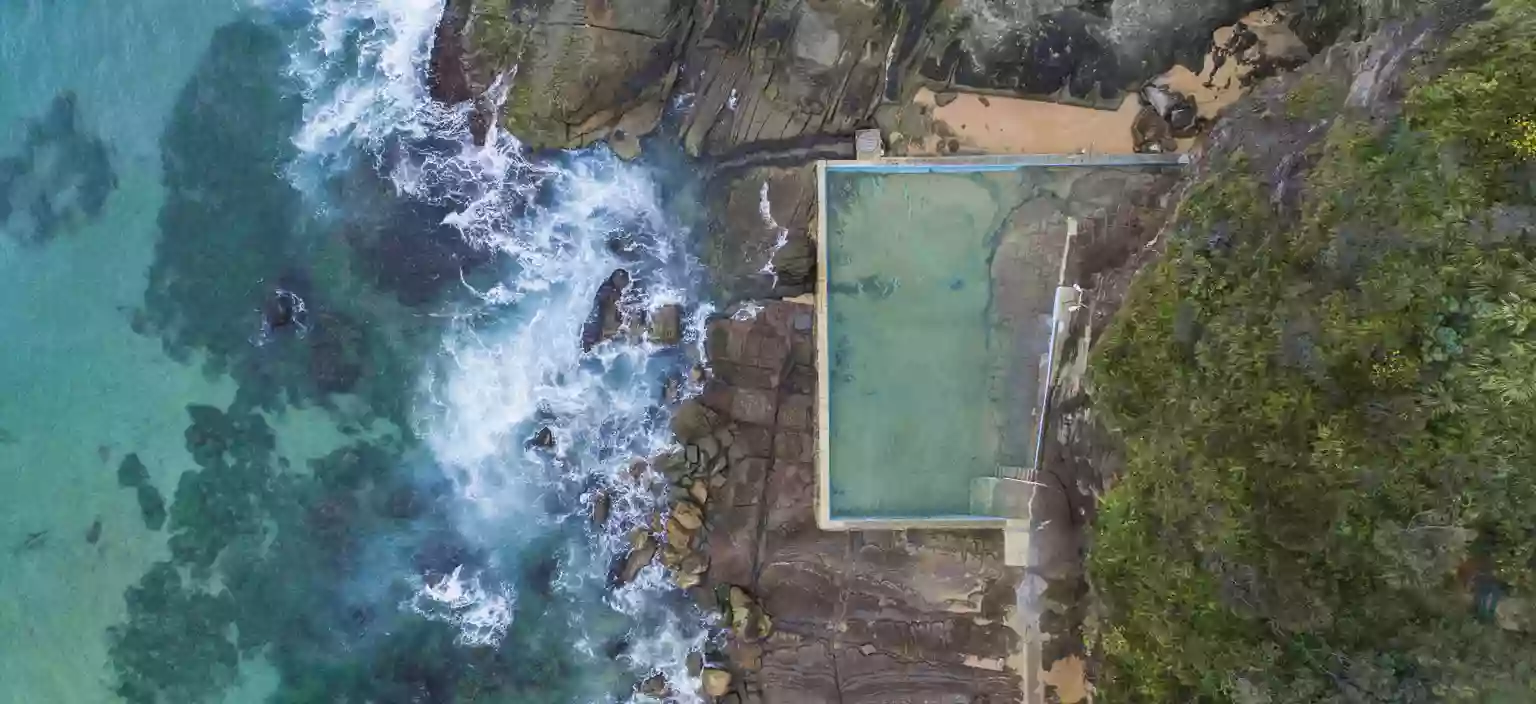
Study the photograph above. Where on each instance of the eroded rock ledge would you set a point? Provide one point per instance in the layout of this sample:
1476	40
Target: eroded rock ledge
724	75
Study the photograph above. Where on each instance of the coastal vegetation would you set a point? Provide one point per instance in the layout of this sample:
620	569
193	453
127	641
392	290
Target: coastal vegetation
1327	397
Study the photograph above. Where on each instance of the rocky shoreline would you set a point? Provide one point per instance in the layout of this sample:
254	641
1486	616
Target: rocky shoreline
755	93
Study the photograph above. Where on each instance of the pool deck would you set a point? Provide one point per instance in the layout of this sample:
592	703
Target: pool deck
1009	494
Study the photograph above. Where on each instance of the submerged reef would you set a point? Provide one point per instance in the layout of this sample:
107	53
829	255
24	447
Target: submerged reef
320	570
308	568
59	181
246	278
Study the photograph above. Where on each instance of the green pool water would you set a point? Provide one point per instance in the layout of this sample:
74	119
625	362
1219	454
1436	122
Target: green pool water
940	295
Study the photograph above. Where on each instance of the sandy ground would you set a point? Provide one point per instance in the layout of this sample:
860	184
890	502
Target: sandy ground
999	125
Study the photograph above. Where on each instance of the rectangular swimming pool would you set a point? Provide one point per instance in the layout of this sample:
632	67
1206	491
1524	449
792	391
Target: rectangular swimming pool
937	301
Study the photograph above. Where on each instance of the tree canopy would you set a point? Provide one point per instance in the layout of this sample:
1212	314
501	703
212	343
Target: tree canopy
1328	408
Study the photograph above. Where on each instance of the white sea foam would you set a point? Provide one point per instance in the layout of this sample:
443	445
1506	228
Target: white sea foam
482	615
361	74
516	365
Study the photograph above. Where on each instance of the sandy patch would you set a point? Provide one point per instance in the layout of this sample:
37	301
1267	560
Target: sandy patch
1001	125
1068	678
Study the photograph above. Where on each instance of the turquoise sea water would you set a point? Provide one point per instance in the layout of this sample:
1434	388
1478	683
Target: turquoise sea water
276	335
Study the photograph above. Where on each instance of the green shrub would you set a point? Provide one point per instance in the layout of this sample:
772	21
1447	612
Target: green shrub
1330	420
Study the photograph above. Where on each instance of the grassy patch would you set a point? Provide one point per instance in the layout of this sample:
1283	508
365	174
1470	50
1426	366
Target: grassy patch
1315	96
1330	421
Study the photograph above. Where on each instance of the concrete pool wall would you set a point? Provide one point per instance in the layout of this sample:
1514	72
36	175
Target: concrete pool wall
939	295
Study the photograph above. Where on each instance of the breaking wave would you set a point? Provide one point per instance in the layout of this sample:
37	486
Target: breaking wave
515	366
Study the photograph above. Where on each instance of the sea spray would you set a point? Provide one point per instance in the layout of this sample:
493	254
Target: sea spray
513	366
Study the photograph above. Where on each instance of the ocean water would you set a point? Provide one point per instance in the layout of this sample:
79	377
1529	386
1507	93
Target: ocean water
296	405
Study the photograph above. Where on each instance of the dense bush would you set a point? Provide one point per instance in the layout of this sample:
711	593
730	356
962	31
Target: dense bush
1329	413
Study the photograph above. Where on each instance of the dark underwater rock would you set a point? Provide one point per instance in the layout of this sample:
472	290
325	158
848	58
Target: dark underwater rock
174	645
59	181
131	472
151	506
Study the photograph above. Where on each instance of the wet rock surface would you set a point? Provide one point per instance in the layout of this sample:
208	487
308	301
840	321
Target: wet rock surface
759	239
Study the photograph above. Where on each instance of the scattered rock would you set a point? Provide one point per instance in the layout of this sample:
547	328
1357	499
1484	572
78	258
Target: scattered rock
686	580
945	98
709	447
692	420
601	507
695	663
1179	110
716	682
694	563
545	439
132	474
688	515
93	534
637	561
672	557
666	325
739	599
740	606
1150	133
699	492
678	536
655	686
608	315
674	466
